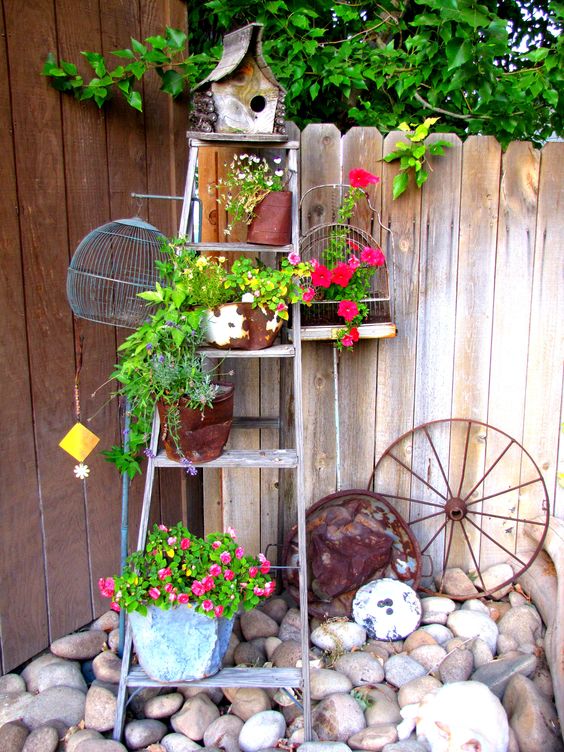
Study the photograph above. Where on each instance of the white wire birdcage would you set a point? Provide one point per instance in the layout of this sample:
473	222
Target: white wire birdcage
110	266
320	211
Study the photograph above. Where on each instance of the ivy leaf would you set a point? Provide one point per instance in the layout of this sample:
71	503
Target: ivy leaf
400	184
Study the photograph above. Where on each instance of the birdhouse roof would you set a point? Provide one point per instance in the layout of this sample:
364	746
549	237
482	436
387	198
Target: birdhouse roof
236	45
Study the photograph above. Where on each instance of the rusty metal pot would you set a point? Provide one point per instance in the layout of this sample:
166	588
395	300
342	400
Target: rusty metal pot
239	326
272	223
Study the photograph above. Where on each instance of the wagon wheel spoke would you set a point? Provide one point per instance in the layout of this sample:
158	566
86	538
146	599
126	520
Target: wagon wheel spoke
414	501
503	517
488	471
463	470
439	463
476	564
504	491
427	517
447	550
416	475
497	543
442	527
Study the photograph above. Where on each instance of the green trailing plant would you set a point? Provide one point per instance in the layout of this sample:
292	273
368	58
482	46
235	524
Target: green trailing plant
484	67
413	155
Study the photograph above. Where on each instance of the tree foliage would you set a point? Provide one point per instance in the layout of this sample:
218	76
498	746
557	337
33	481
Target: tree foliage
483	67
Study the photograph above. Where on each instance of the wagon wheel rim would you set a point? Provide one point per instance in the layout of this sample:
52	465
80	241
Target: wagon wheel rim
457	506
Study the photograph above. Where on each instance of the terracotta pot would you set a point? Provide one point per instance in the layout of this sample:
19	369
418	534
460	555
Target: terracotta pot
239	326
272	224
201	434
179	644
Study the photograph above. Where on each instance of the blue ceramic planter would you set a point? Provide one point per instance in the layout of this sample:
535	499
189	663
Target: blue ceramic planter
179	644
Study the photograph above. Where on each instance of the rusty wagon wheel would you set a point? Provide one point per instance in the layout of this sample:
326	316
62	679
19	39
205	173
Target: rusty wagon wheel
467	491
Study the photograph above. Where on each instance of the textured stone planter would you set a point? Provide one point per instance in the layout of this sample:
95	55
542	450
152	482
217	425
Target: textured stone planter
179	644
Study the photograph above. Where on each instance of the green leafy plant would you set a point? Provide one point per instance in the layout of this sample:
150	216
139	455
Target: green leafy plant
211	574
249	179
413	155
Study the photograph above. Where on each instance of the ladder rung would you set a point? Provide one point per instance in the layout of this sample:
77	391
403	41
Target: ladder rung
242	247
274	351
241	458
227	677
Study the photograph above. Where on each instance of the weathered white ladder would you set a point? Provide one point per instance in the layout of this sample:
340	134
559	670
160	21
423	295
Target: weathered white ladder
283	458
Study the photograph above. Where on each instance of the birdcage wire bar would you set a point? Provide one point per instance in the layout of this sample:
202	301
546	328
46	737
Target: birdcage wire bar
110	266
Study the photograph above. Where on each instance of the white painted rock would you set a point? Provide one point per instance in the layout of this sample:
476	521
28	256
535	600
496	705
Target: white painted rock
388	609
338	635
468	624
262	730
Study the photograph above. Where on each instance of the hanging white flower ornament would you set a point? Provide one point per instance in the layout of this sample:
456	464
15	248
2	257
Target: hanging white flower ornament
81	471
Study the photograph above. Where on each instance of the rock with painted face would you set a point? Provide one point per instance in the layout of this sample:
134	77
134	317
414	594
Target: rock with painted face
388	609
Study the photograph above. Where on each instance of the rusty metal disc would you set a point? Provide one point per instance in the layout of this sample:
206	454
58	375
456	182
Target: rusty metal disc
467	491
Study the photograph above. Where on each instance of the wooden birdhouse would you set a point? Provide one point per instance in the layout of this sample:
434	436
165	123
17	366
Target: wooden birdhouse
241	94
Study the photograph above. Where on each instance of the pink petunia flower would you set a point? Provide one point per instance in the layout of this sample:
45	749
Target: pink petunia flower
228	574
164	573
239	552
321	276
185	543
218	611
164	528
347	340
183	598
198	588
360	178
348	309
215	570
308	294
353	262
225	557
354	333
372	256
207	605
341	274
253	571
155	593
294	258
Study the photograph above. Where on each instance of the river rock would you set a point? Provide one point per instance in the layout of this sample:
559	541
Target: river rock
497	674
416	689
163	706
455	581
12	736
257	623
429	656
42	739
13	705
79	736
63	704
382	710
113	640
457	666
361	668
340	636
270	645
107	622
262	730
31	672
290	626
100	708
407	745
247	654
214	693
323	747
400	669
368	695
12	683
229	657
493	576
481	652
226	727
101	745
247	701
195	716
107	667
373	737
141	733
337	717
532	718
522	623
79	646
276	608
325	682
178	743
469	624
438	632
61	674
416	639
435	604
287	654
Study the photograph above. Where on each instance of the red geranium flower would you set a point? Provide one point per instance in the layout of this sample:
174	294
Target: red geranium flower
348	309
321	276
360	178
354	334
347	341
341	274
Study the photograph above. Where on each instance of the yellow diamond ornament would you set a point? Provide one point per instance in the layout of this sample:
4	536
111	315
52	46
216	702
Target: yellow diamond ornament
79	442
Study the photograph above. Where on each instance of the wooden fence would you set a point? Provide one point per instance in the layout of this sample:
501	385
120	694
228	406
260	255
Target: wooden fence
478	295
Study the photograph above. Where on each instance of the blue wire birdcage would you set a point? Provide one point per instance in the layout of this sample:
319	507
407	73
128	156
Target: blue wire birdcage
110	266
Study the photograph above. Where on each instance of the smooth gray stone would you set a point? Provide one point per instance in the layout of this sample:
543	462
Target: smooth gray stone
64	704
401	669
496	675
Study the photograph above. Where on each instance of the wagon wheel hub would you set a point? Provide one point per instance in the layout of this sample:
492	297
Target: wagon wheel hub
455	509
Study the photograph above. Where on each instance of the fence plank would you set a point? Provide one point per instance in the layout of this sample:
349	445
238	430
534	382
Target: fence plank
546	346
24	595
507	371
476	266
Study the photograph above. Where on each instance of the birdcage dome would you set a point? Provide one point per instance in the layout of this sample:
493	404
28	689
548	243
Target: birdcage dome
111	265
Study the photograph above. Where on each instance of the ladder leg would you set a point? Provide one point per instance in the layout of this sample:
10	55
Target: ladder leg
187	215
122	691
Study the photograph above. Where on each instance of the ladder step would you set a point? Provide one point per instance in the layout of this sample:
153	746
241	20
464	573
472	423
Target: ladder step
274	351
227	677
241	458
251	422
243	247
366	331
196	138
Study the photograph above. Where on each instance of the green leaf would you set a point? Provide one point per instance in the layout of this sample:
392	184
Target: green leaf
69	68
177	37
420	177
400	184
172	83
458	52
314	90
127	53
139	48
299	20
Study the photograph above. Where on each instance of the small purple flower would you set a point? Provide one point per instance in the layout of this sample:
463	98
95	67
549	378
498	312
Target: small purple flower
161	358
149	453
125	433
149	347
188	466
